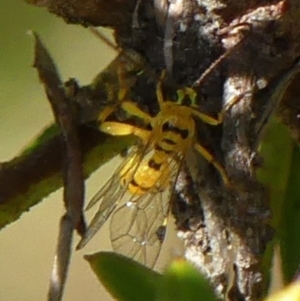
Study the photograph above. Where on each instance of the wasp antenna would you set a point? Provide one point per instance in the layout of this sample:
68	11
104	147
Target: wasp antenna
227	30
102	37
199	81
118	49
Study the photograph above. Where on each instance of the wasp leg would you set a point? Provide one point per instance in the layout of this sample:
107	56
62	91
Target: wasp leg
134	110
216	121
110	109
159	93
122	129
105	113
112	104
210	158
122	94
209	119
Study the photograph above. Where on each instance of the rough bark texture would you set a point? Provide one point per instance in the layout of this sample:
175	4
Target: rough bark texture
225	229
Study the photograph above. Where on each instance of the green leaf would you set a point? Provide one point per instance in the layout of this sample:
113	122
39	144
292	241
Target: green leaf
274	175
290	222
183	282
276	150
124	278
281	176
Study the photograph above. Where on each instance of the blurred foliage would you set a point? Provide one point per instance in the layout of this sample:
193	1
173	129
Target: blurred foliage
290	293
16	44
128	280
281	175
124	278
289	231
183	282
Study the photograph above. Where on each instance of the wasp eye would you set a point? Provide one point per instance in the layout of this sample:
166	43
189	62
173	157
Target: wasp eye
186	96
180	96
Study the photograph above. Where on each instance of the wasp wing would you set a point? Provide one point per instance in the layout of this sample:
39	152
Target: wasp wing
111	193
138	227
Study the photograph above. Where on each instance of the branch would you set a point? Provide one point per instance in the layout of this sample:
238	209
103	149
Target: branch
36	172
115	14
72	173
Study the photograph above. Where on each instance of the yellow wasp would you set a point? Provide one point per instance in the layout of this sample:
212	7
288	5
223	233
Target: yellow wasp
135	194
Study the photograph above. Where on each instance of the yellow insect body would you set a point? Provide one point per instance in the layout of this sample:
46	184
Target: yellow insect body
143	178
138	179
172	132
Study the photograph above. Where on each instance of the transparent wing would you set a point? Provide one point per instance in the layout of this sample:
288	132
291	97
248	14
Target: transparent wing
111	193
138	227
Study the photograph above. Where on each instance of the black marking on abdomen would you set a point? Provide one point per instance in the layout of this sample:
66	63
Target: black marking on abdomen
158	148
169	141
154	165
169	127
135	184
